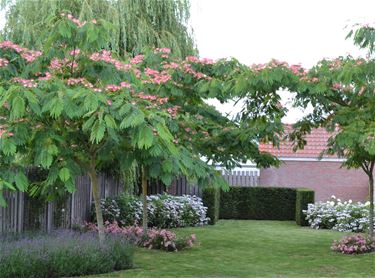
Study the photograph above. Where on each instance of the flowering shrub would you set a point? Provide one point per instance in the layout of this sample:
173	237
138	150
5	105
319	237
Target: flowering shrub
164	211
354	245
154	239
337	215
63	254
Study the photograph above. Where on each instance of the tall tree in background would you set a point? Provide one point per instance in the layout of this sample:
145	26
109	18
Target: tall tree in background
341	92
136	23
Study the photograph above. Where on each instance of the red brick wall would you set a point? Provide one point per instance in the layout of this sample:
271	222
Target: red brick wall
326	178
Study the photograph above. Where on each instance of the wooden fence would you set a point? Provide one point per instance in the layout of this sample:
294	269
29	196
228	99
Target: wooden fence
25	213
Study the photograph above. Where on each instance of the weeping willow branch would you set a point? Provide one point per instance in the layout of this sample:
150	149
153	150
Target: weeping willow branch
137	23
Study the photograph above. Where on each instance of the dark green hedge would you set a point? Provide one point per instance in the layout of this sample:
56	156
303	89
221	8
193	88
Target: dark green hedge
304	196
211	200
262	203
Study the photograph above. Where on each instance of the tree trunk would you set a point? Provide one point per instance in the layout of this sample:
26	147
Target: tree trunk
144	199
98	209
371	214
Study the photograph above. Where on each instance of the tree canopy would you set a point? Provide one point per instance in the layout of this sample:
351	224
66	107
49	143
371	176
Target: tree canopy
341	92
76	105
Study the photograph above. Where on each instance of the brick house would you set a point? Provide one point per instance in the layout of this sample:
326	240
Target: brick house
304	169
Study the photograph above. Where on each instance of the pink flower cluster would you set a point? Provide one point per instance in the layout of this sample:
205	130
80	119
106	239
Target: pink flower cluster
296	69
162	50
162	237
198	75
27	54
157	77
156	101
172	65
28	83
115	88
75	52
194	59
357	244
137	59
173	111
57	64
106	56
3	62
336	86
154	238
310	79
81	81
30	55
3	131
77	21
47	76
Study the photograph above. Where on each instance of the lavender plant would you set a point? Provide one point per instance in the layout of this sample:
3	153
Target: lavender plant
63	254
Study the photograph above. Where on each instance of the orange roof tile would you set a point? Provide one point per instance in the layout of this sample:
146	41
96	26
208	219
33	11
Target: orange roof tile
316	142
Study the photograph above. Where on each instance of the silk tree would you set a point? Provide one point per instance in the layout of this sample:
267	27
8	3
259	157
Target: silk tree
70	109
75	106
341	92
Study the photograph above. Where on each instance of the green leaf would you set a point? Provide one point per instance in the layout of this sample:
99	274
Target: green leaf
21	181
55	106
110	121
7	146
64	174
91	102
145	137
88	124
63	29
166	179
8	185
52	149
45	159
163	132
70	186
122	108
167	166
97	132
136	118
92	34
18	108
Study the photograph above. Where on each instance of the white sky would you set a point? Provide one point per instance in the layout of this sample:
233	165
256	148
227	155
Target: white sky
295	31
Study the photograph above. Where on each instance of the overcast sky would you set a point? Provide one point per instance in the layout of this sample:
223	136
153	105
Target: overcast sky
296	31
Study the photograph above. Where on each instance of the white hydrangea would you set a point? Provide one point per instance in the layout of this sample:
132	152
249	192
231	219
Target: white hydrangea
341	216
164	211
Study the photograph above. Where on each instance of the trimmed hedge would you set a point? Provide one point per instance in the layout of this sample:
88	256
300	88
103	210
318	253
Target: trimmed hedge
304	197
262	203
211	200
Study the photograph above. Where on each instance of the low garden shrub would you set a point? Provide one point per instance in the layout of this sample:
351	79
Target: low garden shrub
211	199
164	211
63	254
355	244
154	238
263	203
337	215
303	198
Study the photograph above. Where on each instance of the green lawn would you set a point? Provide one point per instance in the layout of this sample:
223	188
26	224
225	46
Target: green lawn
253	249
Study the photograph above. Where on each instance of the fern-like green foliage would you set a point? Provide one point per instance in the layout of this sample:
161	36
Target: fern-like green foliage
77	106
